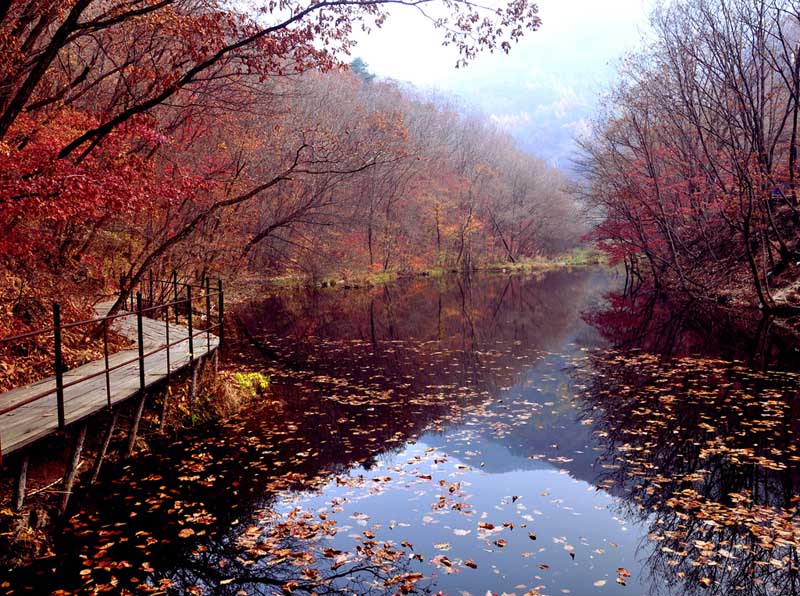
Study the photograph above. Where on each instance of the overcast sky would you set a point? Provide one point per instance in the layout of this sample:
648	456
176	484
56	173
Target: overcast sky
545	90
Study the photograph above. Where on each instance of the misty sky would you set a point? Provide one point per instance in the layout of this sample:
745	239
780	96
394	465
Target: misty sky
545	90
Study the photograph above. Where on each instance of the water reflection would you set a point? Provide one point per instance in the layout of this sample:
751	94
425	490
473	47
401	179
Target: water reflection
462	436
492	337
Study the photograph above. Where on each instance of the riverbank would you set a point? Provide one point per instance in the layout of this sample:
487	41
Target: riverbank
579	257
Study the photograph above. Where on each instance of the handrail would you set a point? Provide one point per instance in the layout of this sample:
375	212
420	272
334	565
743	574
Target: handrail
26	335
147	279
163	307
212	293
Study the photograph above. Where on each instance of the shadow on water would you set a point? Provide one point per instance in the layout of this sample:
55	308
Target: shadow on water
518	434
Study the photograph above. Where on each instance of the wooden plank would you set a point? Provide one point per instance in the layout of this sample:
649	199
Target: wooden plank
38	419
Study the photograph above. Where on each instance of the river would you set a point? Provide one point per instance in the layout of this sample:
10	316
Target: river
503	434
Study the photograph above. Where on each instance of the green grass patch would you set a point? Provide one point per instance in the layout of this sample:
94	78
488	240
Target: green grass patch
252	383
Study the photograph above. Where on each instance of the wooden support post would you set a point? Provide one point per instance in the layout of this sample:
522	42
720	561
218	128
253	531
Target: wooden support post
150	304
164	404
137	417
19	486
208	314
105	362
175	298
163	423
220	313
98	462
72	468
193	388
140	339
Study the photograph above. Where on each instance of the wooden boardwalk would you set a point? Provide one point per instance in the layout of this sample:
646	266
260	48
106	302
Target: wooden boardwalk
38	419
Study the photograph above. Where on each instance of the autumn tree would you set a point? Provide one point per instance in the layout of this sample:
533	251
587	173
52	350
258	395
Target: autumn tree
694	165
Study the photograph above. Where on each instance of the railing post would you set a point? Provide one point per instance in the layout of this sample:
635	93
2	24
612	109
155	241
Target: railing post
150	304
189	316
140	338
162	422
59	364
221	305
169	367
105	359
208	314
175	291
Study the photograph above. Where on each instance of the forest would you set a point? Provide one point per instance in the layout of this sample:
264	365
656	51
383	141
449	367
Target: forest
692	167
147	136
247	141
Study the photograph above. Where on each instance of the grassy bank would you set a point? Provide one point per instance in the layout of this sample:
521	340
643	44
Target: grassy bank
575	258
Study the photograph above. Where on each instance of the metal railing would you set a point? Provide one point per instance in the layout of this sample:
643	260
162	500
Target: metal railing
147	301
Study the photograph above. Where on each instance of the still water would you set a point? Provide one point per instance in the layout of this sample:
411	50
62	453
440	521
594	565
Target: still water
519	435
